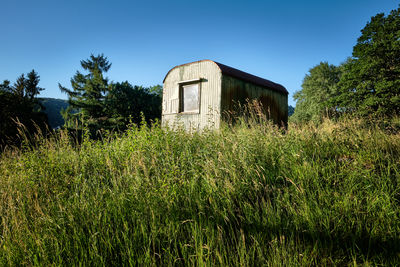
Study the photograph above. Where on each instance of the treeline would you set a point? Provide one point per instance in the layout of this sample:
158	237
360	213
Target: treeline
365	85
94	103
20	109
98	105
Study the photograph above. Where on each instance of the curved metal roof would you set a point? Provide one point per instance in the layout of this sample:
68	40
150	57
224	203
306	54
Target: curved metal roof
241	75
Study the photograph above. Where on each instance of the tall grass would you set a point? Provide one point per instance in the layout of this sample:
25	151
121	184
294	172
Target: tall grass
246	195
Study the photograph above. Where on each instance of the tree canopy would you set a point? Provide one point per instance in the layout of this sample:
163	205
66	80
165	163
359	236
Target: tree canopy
127	103
318	87
87	96
19	107
367	84
102	105
370	84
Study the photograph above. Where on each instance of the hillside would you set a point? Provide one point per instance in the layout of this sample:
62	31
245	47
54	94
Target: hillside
53	107
290	110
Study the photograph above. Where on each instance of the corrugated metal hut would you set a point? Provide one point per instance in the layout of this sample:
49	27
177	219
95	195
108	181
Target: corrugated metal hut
197	94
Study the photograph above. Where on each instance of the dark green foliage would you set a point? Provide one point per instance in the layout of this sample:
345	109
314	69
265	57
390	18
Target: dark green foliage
366	85
20	110
127	103
18	88
156	90
53	108
318	87
101	105
26	87
370	85
88	95
5	86
32	88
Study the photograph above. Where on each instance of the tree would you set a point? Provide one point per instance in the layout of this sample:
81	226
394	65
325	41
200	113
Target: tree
318	87
370	84
5	86
31	85
156	90
87	97
19	106
26	87
19	86
127	103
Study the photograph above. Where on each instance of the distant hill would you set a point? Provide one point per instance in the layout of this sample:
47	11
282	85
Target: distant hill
290	110
53	108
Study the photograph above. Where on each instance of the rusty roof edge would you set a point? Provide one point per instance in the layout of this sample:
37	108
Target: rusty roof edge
187	64
229	71
241	75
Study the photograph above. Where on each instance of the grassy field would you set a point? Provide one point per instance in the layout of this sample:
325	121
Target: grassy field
241	196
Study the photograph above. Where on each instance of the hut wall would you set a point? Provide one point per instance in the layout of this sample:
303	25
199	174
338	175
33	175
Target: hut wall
236	91
210	96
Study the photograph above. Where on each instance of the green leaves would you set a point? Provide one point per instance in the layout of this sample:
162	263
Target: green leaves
107	106
368	84
126	103
317	88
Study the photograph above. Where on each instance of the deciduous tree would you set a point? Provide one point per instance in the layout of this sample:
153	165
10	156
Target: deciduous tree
370	84
127	103
319	85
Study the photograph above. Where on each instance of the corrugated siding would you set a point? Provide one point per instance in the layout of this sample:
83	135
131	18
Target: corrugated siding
237	91
210	96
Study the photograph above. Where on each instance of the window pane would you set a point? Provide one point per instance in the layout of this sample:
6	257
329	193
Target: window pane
190	97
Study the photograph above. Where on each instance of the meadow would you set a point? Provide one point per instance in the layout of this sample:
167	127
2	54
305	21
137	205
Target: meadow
247	195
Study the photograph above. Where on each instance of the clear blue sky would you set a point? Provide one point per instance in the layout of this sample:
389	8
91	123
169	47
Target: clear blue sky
277	40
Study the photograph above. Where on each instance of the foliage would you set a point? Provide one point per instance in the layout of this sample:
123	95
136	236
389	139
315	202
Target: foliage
248	195
370	85
53	108
20	108
318	87
156	90
88	93
128	104
101	105
32	88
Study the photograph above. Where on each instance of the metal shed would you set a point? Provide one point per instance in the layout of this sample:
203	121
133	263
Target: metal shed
197	94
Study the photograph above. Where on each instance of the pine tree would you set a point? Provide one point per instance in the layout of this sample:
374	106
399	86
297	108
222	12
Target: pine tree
31	85
19	105
19	86
87	97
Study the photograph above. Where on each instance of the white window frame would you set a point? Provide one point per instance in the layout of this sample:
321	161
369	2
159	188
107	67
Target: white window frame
182	84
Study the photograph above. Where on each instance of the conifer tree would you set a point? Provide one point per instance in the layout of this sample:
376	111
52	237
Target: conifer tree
19	106
87	96
19	86
31	85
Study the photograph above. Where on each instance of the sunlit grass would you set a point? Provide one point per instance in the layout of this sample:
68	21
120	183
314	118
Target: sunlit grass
247	195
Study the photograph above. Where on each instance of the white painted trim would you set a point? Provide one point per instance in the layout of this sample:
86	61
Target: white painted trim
190	81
